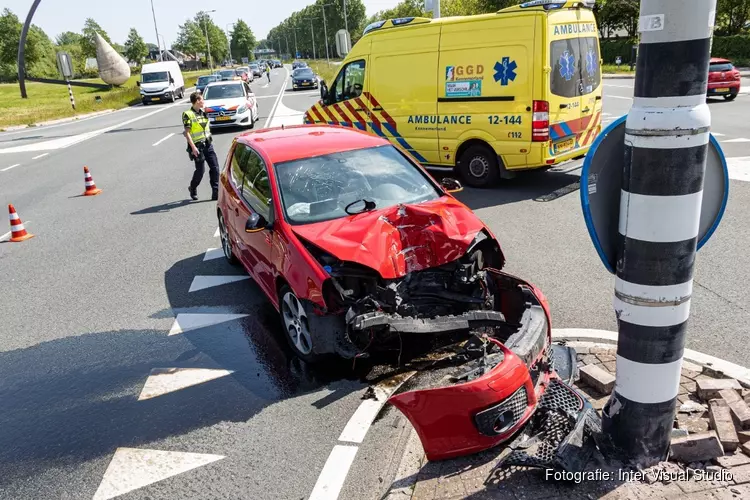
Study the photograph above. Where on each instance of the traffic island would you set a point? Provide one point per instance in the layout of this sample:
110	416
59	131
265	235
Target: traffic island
709	457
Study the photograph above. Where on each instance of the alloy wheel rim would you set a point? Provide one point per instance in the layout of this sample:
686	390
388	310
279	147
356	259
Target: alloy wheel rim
295	323
225	243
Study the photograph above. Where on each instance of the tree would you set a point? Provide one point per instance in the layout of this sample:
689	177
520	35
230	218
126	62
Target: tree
88	41
731	16
68	38
135	48
243	40
191	37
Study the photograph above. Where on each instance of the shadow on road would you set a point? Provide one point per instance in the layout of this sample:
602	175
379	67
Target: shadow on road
166	207
537	186
74	399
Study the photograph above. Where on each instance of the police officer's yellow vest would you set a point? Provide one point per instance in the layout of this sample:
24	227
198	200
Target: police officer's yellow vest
199	129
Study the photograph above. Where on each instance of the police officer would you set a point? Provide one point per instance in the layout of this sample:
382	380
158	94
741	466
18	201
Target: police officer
200	146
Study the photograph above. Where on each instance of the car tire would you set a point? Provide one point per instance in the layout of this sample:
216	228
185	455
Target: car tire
295	326
226	242
478	167
730	97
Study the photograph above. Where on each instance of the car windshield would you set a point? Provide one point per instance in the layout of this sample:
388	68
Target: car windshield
321	188
226	73
223	92
303	73
254	66
206	79
716	67
159	76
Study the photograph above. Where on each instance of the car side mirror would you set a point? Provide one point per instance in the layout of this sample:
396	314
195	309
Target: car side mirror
451	185
255	223
323	90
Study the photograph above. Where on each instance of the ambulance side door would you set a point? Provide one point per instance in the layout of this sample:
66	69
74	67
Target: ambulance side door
346	103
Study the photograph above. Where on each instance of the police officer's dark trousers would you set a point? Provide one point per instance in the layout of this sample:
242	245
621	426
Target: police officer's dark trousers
208	155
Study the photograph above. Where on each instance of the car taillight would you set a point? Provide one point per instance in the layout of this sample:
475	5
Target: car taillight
736	75
540	121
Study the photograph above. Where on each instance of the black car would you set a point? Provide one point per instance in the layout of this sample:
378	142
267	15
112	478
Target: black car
277	63
299	64
304	78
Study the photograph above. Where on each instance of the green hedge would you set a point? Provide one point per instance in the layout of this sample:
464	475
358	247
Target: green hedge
736	48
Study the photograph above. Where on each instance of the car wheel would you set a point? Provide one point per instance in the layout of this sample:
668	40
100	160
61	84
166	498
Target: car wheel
730	97
478	166
226	242
296	326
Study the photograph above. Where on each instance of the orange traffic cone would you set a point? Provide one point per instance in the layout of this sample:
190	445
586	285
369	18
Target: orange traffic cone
91	189
17	231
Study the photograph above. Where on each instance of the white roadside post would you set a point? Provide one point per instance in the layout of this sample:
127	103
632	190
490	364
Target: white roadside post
666	141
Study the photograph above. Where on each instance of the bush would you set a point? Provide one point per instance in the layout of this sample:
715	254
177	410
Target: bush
611	48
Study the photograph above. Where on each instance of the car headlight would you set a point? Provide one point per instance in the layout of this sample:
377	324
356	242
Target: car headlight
241	110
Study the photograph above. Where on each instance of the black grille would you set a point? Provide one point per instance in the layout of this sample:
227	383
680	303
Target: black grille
559	396
503	416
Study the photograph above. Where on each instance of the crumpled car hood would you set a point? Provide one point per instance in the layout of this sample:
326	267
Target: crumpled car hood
401	239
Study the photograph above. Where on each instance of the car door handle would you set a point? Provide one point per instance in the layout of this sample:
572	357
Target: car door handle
237	211
360	109
586	110
377	109
563	106
598	98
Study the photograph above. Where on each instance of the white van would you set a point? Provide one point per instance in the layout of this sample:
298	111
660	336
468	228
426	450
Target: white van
161	81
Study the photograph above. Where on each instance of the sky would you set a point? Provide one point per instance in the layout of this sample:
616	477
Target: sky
116	18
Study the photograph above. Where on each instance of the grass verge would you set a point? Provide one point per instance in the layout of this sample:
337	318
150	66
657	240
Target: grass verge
613	68
324	70
50	102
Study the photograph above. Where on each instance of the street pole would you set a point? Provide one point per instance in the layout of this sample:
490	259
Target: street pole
208	44
22	48
295	41
346	24
229	44
312	37
161	54
436	11
666	142
286	38
70	94
156	30
325	33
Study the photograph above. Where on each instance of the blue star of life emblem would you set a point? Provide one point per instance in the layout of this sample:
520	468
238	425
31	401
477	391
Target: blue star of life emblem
505	71
592	62
567	65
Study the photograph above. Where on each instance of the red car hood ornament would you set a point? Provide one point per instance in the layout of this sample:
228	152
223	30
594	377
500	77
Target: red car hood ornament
399	240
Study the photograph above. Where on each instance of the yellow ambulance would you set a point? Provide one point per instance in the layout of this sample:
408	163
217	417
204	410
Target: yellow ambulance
488	95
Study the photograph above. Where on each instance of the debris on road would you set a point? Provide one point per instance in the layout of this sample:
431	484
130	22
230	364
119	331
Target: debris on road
697	447
601	380
709	388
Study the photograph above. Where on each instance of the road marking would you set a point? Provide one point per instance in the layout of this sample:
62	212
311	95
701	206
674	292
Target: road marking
203	282
741	139
216	235
12	166
334	473
6	235
65	142
133	468
716	134
40	156
165	380
739	168
287	116
163	139
332	477
266	97
185	322
213	253
620	97
618	86
606	114
278	100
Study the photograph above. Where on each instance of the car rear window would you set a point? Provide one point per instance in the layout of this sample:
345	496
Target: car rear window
575	66
717	67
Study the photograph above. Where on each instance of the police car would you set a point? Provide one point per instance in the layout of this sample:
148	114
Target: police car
229	104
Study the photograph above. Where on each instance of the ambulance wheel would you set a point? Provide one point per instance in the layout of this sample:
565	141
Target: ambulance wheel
478	166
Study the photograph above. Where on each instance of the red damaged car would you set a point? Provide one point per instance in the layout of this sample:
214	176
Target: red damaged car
361	250
723	79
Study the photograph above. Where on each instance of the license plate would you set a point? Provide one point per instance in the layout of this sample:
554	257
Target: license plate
223	118
563	146
722	90
156	98
306	83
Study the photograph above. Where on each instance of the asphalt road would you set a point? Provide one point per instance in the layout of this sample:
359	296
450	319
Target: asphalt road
90	375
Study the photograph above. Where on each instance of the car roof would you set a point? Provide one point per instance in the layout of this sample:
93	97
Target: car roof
717	60
307	141
228	82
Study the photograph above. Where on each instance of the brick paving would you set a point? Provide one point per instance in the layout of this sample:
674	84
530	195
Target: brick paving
727	477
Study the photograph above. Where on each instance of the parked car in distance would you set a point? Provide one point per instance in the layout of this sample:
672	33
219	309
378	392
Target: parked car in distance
299	64
723	79
277	64
255	68
202	81
304	78
245	73
230	104
228	75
